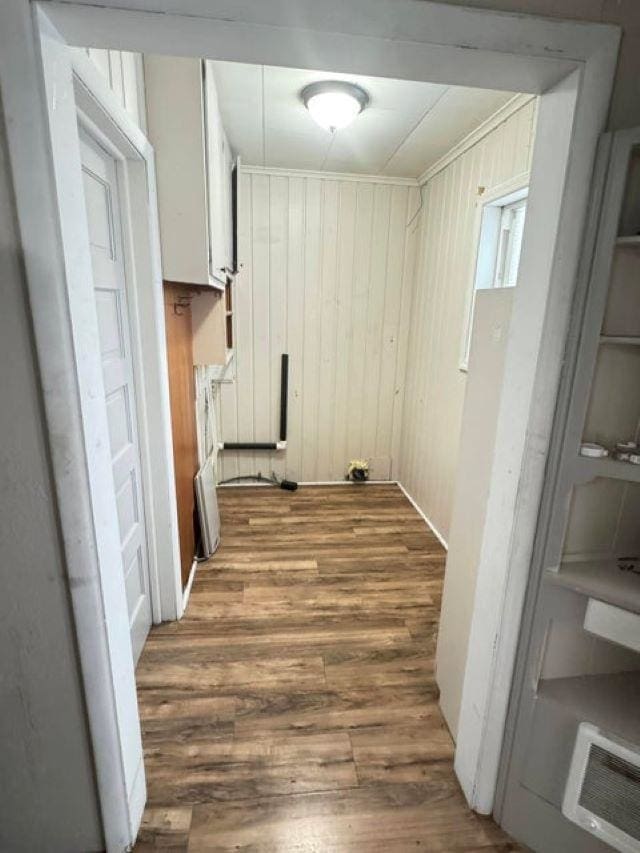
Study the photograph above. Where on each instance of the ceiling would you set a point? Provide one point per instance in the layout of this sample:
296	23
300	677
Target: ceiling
406	127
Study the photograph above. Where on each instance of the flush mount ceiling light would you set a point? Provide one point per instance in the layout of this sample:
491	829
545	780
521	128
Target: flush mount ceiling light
334	103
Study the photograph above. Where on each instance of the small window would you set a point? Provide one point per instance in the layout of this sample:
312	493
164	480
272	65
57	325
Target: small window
498	255
509	243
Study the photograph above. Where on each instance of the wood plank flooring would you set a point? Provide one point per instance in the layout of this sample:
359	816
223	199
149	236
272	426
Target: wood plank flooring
294	707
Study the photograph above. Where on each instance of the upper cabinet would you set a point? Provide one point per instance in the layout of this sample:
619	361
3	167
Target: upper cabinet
193	171
219	168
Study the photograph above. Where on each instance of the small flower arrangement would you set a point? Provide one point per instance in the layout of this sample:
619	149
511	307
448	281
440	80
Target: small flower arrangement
358	470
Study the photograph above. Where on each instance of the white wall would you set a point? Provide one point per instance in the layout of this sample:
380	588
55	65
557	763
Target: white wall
435	385
49	797
327	270
477	441
124	73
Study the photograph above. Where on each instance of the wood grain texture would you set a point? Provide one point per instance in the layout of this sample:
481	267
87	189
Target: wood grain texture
294	707
183	418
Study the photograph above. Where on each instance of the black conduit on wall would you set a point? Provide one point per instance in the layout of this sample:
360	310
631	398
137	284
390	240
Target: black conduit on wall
284	393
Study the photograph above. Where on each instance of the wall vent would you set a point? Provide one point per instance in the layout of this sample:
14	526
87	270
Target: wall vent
603	789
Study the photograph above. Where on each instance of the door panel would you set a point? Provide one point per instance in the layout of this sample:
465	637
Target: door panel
105	238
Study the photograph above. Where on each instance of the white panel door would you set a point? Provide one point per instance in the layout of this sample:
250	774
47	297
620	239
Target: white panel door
105	239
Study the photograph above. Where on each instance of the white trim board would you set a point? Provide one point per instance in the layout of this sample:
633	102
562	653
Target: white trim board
473	47
431	526
187	590
571	63
101	113
329	176
314	483
486	127
59	277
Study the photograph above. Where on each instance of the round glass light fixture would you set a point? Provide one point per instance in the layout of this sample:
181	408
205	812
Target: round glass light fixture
334	103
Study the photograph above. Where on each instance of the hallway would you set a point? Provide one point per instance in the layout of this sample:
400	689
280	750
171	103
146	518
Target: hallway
294	707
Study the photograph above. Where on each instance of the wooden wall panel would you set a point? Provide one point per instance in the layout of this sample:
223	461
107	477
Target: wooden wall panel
183	418
435	385
326	276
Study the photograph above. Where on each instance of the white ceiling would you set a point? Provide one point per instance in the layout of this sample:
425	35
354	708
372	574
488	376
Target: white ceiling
406	127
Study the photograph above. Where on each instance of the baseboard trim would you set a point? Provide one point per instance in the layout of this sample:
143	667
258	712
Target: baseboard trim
429	524
137	799
187	589
397	483
313	483
344	482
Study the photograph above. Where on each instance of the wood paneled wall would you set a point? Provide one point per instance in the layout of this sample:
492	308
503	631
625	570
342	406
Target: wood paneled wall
327	273
179	336
435	385
124	73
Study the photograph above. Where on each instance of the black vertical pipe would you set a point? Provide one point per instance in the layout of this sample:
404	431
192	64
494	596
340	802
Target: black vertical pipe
284	393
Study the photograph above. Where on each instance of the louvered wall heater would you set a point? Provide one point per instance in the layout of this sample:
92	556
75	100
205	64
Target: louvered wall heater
603	789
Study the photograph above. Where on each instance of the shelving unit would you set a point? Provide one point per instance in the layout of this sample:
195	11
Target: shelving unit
608	701
632	241
600	579
586	469
579	665
620	340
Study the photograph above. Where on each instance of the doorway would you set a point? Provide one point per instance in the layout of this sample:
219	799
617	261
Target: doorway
564	188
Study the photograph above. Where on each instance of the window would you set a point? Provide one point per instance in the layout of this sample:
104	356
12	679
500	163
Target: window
498	257
509	243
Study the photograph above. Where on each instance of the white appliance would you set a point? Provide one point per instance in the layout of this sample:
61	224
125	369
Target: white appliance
602	794
208	513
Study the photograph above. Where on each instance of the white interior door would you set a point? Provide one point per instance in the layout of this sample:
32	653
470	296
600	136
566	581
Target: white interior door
99	178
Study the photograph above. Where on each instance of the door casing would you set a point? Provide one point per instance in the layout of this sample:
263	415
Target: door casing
76	96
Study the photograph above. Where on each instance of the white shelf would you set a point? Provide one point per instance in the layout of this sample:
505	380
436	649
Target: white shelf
608	701
632	241
586	469
221	372
600	579
625	340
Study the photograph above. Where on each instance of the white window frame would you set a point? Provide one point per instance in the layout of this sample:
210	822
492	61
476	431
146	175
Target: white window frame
506	244
488	238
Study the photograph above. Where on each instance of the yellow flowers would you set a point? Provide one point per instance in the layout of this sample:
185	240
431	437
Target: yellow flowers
358	470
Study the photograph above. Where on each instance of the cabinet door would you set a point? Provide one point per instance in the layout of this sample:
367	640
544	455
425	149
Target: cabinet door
217	179
175	117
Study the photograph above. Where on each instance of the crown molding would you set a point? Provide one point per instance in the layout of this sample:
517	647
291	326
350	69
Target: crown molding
501	115
328	176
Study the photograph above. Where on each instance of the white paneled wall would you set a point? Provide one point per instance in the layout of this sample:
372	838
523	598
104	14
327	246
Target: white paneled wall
124	73
435	385
326	275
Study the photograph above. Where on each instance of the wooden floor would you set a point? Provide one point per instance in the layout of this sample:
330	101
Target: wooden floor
294	707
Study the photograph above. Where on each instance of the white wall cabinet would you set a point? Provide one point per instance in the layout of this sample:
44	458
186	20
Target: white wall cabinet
193	170
219	164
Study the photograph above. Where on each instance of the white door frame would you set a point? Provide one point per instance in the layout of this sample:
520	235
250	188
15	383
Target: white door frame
570	63
100	113
73	93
